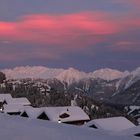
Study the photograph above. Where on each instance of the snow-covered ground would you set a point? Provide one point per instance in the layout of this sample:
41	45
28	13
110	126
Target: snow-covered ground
17	128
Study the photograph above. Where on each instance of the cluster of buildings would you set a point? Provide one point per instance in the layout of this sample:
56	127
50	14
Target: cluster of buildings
23	108
67	114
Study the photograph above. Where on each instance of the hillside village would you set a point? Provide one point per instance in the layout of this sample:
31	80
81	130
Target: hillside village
41	96
70	70
49	93
23	108
71	115
33	100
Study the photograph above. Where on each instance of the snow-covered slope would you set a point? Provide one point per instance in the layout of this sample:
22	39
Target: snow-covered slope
129	79
17	128
133	77
127	89
66	75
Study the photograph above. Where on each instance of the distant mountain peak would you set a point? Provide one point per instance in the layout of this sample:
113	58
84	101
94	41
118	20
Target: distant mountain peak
71	75
107	74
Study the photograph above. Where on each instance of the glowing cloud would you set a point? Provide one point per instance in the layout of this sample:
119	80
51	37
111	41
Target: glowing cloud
57	29
63	33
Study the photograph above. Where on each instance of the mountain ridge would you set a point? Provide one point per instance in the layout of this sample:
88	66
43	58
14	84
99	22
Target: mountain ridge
69	75
98	85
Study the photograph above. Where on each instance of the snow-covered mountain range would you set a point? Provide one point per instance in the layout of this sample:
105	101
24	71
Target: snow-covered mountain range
68	75
34	72
103	84
71	75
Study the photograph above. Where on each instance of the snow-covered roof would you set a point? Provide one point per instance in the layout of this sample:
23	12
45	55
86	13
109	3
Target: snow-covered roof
21	101
73	113
33	113
12	108
5	97
15	128
111	124
131	131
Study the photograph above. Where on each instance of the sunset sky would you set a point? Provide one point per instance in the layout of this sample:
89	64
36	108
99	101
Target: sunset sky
84	34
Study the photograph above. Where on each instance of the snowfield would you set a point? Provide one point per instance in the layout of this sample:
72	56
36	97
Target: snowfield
17	128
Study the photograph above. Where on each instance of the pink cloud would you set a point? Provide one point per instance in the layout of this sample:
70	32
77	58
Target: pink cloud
58	29
68	32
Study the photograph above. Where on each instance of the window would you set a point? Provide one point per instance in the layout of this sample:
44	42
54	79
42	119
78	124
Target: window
24	114
64	115
93	126
137	135
4	102
43	116
14	113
